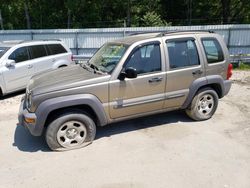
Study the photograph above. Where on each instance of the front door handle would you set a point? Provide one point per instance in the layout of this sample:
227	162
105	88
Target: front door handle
30	66
157	79
197	72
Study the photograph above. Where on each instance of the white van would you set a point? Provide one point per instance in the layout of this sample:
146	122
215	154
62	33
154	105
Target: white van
21	60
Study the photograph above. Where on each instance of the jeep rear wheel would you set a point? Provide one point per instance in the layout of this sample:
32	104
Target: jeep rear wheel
203	105
70	130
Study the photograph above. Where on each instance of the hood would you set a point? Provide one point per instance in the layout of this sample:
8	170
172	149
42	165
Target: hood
62	78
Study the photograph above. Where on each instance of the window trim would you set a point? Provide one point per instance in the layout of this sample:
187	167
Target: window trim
185	39
205	52
141	46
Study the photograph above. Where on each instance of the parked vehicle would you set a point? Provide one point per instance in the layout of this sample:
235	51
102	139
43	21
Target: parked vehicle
21	60
128	78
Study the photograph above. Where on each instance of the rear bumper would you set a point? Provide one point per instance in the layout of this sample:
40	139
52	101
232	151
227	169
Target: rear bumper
24	113
227	86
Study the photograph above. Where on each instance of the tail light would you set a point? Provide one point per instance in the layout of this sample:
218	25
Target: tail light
229	71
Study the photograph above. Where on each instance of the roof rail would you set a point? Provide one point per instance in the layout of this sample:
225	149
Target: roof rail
162	33
144	32
184	31
36	40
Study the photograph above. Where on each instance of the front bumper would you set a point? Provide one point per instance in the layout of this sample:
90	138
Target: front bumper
25	114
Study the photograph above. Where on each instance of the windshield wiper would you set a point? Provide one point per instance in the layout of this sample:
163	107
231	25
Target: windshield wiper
96	69
86	66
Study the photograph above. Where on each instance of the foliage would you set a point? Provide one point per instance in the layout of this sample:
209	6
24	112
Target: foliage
43	14
243	66
153	19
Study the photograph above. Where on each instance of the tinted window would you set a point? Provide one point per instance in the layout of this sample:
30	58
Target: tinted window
37	51
56	49
20	54
182	53
146	59
3	50
213	50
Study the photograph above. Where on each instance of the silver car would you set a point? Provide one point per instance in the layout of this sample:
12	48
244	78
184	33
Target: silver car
19	61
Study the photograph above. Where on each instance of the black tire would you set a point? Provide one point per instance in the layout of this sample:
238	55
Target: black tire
70	130
203	105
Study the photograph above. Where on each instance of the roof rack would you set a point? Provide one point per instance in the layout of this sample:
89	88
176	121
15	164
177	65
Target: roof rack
36	40
163	33
184	31
144	32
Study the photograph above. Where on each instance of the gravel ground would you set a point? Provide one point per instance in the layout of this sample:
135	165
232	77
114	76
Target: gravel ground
166	150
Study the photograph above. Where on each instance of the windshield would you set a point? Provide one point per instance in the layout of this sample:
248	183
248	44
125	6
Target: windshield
3	50
107	57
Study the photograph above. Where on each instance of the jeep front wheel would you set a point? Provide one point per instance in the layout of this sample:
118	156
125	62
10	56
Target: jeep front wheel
203	105
70	130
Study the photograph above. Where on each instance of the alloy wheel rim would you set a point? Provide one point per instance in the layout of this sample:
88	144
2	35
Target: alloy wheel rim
71	134
205	104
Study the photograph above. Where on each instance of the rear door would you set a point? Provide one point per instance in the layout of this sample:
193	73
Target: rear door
184	67
40	59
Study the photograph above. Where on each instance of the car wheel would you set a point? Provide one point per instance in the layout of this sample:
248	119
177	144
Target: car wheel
203	105
70	130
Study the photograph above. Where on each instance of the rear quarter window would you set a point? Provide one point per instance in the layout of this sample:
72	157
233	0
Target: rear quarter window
54	49
213	50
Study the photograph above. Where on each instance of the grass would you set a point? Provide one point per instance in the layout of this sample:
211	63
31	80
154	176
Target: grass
242	66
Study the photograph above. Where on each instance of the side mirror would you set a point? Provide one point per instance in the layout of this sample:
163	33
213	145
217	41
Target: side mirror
10	63
129	72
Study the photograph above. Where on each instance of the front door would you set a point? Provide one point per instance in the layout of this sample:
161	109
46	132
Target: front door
17	76
144	93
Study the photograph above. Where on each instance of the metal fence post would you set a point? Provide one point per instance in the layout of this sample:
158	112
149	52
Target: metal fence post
229	38
31	35
76	42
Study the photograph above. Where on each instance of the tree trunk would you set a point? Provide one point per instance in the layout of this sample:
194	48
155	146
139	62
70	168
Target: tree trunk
1	20
129	13
69	19
27	15
226	12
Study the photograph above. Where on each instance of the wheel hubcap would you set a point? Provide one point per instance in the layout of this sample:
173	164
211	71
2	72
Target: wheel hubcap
71	134
206	104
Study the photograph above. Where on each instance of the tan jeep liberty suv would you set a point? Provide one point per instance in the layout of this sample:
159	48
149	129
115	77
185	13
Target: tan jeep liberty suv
128	78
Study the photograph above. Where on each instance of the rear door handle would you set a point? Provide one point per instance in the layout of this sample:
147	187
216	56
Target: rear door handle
30	66
197	72
157	79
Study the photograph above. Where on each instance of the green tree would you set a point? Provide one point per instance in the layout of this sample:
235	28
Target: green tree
152	19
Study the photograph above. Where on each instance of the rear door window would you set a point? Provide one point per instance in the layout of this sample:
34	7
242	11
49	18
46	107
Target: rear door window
182	53
213	50
54	49
37	51
20	54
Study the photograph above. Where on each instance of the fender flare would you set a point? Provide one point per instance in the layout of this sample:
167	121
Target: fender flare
201	82
46	107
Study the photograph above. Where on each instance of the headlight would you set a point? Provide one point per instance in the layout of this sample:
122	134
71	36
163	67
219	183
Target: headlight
28	100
